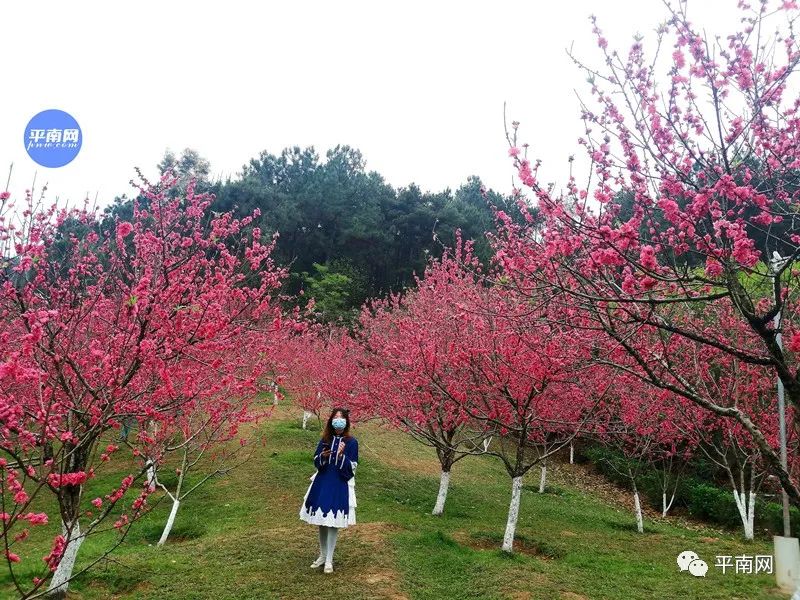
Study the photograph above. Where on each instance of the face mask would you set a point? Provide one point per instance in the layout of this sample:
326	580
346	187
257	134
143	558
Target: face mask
339	423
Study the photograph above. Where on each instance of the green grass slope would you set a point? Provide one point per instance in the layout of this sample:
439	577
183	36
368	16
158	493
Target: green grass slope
239	537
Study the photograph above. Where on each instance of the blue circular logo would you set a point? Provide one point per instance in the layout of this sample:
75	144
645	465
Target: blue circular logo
53	138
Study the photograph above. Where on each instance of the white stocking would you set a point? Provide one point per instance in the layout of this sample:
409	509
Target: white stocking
323	540
333	533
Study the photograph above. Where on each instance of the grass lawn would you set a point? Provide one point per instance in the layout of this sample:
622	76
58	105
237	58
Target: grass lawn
239	537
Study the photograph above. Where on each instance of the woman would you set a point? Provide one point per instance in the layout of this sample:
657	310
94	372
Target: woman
330	501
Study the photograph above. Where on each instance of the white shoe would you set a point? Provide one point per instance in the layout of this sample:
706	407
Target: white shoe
328	568
318	563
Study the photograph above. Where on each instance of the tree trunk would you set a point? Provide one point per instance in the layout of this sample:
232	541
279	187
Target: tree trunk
571	454
151	474
637	506
486	443
69	506
513	514
444	484
746	511
60	581
274	394
665	506
176	499
170	522
543	478
306	416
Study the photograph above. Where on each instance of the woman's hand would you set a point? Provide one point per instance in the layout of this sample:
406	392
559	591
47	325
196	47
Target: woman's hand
325	453
340	451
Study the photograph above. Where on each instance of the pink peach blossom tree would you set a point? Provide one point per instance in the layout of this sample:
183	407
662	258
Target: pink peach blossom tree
413	366
105	322
687	211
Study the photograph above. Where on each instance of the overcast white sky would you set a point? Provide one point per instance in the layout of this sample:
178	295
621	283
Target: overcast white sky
417	86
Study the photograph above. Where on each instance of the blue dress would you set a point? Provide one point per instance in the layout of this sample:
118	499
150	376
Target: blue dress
331	498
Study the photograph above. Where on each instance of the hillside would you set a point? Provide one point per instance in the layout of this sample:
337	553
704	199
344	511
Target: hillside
240	538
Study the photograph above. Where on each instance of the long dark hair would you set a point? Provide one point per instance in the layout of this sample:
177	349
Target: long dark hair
328	432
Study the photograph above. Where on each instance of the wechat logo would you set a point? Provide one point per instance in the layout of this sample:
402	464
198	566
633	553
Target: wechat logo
689	561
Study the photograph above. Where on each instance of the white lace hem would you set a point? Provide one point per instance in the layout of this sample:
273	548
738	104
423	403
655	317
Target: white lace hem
337	519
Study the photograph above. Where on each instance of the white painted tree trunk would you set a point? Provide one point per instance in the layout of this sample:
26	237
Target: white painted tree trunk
486	443
513	514
176	498
746	511
151	474
306	416
60	581
543	479
638	508
274	394
170	522
444	484
571	454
